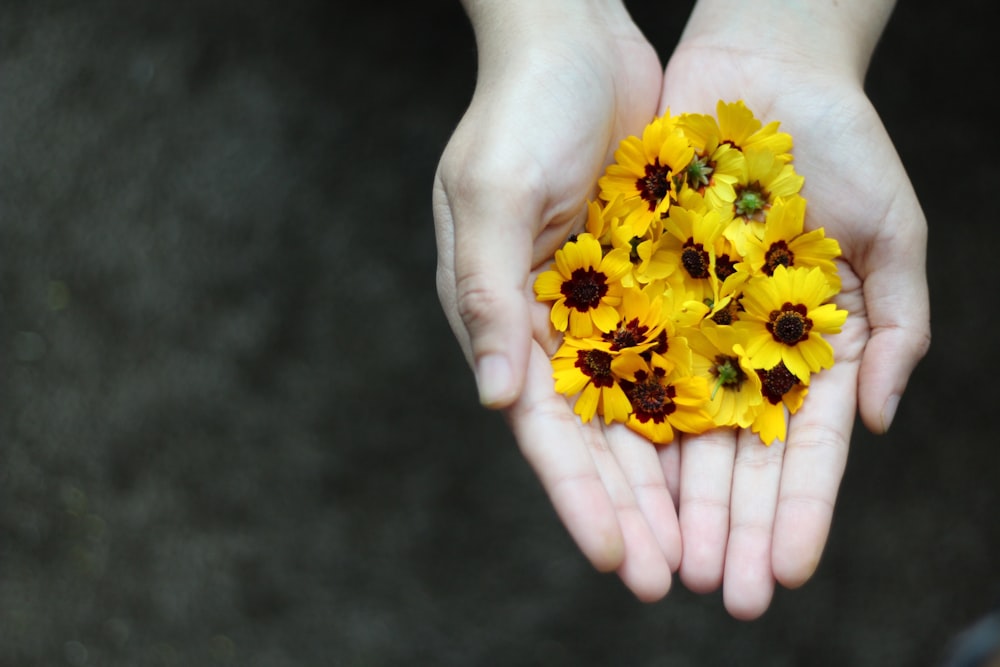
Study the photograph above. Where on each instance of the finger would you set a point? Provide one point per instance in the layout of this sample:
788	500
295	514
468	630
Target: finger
897	304
814	461
644	568
485	236
748	582
899	314
670	462
586	485
705	484
639	461
551	438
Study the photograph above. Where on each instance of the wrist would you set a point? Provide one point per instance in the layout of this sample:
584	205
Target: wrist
499	24
494	11
833	38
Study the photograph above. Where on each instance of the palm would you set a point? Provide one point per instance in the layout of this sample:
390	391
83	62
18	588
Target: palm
511	186
748	514
514	177
549	110
606	482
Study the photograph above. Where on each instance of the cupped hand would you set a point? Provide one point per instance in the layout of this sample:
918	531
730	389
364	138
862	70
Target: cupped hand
557	91
752	515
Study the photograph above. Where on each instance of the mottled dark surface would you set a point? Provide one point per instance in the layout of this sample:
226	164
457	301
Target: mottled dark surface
235	428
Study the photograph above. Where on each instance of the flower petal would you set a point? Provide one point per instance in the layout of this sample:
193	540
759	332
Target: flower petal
586	405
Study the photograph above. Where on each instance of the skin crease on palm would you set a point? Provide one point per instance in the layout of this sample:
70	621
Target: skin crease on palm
550	107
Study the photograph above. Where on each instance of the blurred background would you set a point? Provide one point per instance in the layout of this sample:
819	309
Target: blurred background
235	428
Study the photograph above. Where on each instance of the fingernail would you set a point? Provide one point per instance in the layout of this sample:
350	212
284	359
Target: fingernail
493	376
889	411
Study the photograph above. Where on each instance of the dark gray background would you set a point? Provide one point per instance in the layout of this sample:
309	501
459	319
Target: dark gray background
236	428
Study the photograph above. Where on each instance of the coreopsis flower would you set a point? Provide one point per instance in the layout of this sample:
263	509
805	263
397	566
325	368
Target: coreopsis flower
719	357
585	286
786	243
735	125
739	126
666	346
643	317
781	391
713	174
583	366
693	236
727	259
604	220
765	179
663	402
695	298
731	273
785	317
646	171
651	260
727	309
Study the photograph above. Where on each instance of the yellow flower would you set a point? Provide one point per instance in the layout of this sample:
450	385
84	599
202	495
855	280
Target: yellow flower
726	164
726	308
661	402
583	366
738	126
651	261
693	236
604	219
765	179
785	242
642	319
781	390
646	171
663	345
585	286
695	298
785	317
717	163
735	125
719	357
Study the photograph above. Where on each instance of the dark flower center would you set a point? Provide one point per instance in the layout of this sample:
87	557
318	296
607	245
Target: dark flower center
650	398
790	324
724	267
778	255
633	255
628	334
695	259
655	185
729	314
595	364
661	346
776	382
584	289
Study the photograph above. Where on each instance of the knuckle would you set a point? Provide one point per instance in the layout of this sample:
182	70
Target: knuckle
759	458
476	300
923	344
818	436
445	282
489	174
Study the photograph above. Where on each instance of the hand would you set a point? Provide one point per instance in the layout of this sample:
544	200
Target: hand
561	82
751	515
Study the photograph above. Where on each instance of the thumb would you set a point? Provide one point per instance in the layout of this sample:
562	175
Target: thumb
485	240
897	303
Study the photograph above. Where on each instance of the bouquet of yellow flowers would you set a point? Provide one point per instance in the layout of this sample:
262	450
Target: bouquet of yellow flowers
695	298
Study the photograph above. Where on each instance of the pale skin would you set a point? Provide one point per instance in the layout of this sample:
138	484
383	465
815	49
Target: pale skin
561	82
